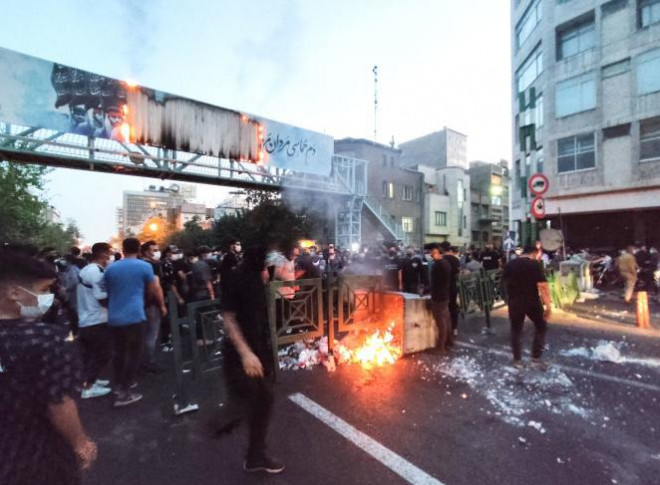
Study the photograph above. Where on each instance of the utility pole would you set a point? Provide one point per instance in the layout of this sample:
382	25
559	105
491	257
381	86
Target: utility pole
375	71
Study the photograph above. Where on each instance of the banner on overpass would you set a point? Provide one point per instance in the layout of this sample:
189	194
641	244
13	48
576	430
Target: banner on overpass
43	94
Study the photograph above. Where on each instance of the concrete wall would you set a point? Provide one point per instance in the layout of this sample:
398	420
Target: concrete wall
445	148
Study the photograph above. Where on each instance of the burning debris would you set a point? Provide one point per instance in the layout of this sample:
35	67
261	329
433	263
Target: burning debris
369	350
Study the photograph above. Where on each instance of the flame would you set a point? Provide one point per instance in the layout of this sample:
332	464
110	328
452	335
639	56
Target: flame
378	350
126	132
131	83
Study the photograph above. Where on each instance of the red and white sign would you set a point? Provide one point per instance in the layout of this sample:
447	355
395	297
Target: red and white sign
538	208
538	184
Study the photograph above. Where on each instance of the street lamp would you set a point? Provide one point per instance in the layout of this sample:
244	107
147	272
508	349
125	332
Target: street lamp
153	227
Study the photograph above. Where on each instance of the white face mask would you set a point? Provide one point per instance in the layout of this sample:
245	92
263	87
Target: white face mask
177	257
237	248
44	302
156	254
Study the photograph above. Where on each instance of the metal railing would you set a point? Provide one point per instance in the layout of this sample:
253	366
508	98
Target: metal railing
385	218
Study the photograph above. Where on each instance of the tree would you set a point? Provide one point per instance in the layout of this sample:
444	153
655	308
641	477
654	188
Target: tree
21	209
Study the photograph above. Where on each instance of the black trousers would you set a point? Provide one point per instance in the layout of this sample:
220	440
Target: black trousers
440	310
128	341
453	310
96	350
251	400
517	314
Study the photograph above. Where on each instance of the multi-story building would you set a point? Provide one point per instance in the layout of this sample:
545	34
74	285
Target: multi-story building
188	211
446	205
441	149
393	193
489	202
586	109
140	206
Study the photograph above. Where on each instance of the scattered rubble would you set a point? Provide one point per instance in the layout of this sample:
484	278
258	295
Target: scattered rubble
607	351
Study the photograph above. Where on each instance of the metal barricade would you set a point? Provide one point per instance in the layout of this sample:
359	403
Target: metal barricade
198	360
483	288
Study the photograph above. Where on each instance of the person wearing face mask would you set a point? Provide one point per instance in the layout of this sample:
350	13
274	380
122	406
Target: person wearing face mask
412	272
42	439
170	287
229	262
94	336
151	254
391	270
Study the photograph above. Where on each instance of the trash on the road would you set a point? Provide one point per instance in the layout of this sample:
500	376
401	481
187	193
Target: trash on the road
522	440
560	461
537	426
607	351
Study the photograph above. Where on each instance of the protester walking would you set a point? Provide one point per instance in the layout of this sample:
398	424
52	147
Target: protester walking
627	266
248	359
527	288
94	335
127	281
41	438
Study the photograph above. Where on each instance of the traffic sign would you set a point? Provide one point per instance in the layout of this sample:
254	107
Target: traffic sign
538	184
538	208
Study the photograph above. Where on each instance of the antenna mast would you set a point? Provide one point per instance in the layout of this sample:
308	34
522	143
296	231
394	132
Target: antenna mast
375	71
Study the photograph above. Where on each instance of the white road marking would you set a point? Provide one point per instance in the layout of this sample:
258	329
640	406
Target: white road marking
598	375
387	457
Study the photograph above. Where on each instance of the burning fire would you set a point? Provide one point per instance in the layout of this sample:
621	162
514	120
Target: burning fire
377	350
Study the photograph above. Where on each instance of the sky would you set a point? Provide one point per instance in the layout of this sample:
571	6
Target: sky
306	62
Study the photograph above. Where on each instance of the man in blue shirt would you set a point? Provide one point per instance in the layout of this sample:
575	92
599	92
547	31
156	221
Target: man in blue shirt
127	281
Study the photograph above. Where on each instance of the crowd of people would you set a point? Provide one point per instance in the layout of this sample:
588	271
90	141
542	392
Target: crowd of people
65	320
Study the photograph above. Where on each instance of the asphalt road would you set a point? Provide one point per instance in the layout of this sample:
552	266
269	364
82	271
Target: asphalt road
466	419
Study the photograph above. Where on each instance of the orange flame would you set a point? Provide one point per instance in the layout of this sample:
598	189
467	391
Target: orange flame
378	350
126	132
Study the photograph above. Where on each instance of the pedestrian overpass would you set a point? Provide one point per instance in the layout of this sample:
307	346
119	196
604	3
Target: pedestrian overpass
60	116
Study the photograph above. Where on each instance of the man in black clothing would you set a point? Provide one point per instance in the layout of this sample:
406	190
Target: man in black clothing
391	270
201	278
229	262
490	259
525	281
248	366
440	291
412	272
450	255
41	438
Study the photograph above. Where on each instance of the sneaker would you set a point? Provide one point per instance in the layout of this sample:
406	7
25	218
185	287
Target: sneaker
126	399
102	383
266	464
94	391
115	392
518	364
539	365
166	348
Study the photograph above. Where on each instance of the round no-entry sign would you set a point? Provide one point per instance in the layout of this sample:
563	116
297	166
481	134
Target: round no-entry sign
538	184
538	208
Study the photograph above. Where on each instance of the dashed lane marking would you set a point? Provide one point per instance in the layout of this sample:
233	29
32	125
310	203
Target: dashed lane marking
387	457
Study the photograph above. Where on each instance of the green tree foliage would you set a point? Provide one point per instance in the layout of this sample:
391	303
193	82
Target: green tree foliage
22	209
267	221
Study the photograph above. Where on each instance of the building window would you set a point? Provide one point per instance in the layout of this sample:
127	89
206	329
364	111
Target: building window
440	218
538	111
648	12
517	174
407	224
613	6
496	200
648	72
407	192
384	189
384	160
576	94
390	190
530	69
576	153
561	2
539	160
649	139
464	223
391	161
460	193
616	68
575	39
528	23
616	131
